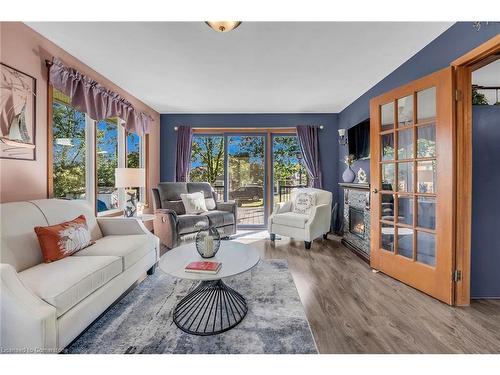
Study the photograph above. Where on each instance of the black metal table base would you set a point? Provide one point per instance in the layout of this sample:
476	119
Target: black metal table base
211	308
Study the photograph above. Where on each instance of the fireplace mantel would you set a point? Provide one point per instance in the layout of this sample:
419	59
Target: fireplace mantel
347	185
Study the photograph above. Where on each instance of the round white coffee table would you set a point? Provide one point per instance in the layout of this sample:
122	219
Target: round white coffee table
212	307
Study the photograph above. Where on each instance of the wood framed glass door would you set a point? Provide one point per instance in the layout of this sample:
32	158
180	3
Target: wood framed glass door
412	219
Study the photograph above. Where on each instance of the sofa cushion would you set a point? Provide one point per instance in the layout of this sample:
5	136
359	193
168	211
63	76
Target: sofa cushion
170	195
291	219
188	223
194	203
219	218
62	240
130	248
207	190
19	244
68	281
60	210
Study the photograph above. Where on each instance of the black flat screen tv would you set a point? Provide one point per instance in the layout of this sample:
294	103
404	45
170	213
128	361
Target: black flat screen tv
359	140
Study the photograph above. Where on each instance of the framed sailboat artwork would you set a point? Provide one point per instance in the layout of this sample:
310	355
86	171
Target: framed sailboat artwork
17	114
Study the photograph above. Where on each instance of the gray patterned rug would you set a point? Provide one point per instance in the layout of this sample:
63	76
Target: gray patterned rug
142	321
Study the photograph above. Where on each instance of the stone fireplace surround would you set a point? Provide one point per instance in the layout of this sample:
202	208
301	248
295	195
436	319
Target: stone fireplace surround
357	200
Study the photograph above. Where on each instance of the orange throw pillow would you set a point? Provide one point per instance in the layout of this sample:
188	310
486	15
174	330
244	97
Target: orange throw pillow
61	240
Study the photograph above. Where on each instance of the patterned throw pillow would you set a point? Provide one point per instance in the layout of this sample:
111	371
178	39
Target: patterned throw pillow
62	240
303	203
194	203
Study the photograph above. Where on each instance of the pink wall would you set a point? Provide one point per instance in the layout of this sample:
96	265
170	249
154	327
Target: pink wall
26	50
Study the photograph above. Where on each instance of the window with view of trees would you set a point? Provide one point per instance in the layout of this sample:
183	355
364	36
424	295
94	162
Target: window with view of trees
207	162
69	150
74	150
107	162
134	156
288	170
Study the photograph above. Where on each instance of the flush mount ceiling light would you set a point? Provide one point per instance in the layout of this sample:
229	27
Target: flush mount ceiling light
223	26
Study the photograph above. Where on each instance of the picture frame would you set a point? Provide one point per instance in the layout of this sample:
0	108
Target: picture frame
17	114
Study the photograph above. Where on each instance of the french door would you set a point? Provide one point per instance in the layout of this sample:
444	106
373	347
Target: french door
412	164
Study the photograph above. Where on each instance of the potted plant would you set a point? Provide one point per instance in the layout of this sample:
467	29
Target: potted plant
349	175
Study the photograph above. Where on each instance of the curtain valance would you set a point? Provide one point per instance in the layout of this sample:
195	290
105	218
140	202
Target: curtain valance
95	100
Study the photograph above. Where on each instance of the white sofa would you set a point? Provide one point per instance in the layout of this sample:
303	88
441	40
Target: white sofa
45	306
285	222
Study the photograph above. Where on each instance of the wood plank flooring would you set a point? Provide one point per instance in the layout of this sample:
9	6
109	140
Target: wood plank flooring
353	310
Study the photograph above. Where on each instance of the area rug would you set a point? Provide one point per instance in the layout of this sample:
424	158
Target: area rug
141	322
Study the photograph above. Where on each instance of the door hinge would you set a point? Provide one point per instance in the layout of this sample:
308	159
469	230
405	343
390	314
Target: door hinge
458	95
457	276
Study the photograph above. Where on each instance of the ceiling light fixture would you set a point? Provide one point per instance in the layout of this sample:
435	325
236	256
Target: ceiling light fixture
223	26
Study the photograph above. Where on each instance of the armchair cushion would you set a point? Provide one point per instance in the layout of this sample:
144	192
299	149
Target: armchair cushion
303	203
189	223
130	248
68	281
291	219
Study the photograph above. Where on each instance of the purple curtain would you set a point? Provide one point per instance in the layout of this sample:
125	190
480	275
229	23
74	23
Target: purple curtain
184	143
95	100
309	145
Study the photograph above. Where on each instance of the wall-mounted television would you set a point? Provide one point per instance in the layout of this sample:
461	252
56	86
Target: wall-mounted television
359	140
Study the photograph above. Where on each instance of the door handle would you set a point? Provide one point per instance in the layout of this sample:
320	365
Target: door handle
375	190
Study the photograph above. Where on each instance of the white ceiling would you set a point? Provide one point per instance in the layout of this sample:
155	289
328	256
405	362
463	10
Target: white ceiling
261	67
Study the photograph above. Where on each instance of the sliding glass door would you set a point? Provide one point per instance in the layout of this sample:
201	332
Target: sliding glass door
256	170
246	172
288	169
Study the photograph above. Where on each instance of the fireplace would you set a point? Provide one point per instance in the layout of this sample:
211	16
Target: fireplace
357	221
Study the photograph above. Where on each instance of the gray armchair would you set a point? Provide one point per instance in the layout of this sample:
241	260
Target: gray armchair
173	226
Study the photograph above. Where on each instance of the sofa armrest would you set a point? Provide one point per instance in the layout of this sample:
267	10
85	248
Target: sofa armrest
121	226
28	323
165	225
229	206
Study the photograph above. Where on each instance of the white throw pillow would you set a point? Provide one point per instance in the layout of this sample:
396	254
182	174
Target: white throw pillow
194	203
304	202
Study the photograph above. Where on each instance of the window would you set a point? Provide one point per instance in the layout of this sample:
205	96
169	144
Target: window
69	150
107	162
135	157
207	162
85	154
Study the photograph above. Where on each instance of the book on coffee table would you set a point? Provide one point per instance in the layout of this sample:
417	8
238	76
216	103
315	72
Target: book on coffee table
203	267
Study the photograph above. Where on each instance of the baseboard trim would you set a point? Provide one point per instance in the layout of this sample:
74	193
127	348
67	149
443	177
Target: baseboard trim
355	250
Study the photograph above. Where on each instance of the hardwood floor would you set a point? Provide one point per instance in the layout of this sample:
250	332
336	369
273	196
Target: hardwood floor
354	310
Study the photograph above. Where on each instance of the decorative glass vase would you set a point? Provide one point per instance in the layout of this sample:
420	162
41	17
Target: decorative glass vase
348	175
207	242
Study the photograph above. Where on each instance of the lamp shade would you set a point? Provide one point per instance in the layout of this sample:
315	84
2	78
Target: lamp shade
130	177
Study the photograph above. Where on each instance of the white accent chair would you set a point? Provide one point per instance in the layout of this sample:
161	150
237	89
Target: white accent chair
45	306
303	227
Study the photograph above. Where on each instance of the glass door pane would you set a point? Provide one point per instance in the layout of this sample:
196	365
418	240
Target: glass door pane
288	170
207	162
246	176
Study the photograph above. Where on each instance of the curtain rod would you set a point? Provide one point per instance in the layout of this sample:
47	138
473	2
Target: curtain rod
242	129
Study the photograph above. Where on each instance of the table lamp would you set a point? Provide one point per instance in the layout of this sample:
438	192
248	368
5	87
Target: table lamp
130	178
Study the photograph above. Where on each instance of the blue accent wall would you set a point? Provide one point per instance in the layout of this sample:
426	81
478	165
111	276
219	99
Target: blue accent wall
459	39
328	139
485	249
453	43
